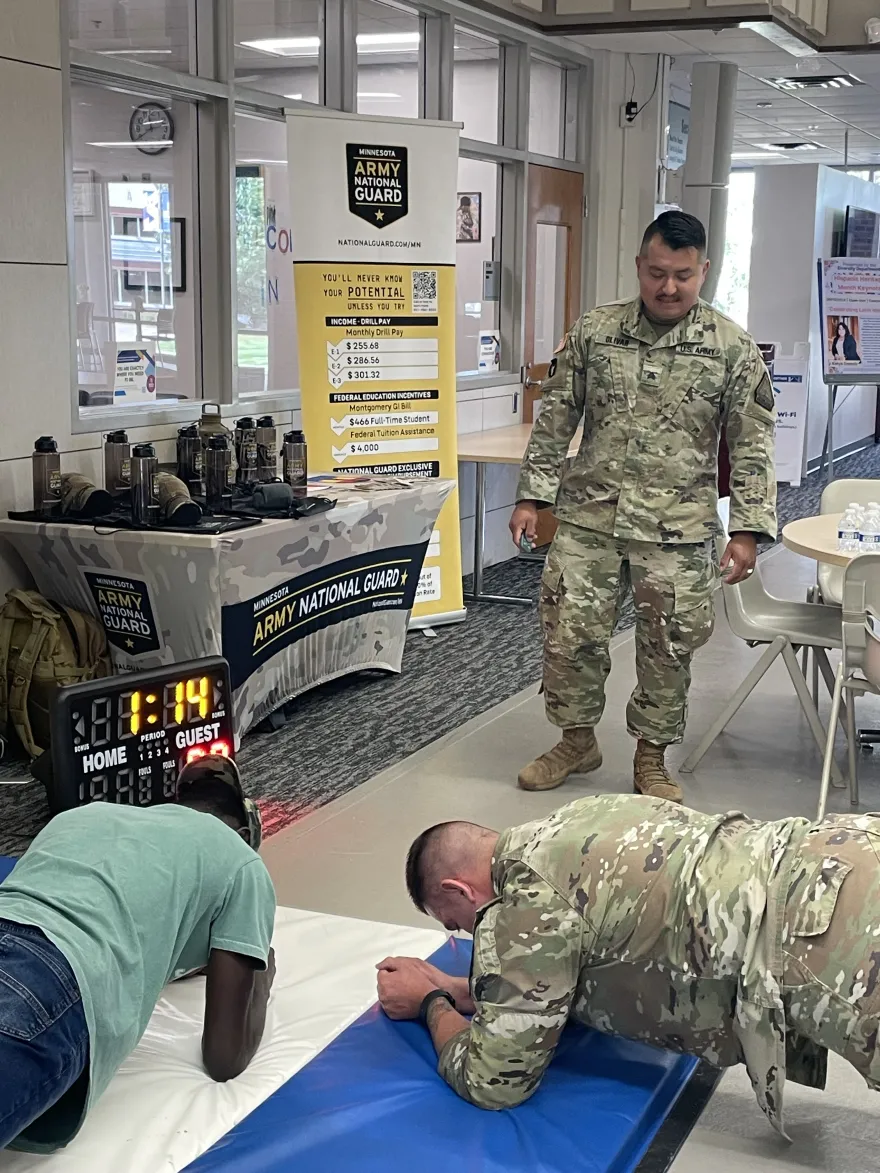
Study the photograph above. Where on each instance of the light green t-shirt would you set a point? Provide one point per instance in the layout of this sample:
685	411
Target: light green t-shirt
135	898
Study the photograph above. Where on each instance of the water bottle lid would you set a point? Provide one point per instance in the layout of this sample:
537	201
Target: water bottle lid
215	409
119	437
246	421
295	437
265	421
189	432
45	444
143	450
218	442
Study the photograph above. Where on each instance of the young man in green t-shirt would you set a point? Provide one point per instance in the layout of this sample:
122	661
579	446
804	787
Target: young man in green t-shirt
107	906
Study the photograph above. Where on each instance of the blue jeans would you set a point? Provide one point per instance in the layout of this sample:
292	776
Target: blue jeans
44	1040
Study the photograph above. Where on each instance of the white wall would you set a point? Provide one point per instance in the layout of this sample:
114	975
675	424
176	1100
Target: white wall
623	175
34	278
794	212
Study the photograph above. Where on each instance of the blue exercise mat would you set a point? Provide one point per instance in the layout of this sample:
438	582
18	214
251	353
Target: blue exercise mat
372	1102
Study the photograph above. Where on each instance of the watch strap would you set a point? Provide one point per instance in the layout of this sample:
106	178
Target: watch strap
429	999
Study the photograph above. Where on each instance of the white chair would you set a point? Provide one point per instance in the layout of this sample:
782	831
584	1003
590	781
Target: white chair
782	628
828	588
859	670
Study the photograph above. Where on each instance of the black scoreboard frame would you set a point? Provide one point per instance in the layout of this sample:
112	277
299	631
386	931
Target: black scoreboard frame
210	729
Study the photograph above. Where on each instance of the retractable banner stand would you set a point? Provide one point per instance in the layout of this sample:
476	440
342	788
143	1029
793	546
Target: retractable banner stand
373	227
790	374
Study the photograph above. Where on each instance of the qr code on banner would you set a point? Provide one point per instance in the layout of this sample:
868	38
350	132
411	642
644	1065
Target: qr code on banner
424	291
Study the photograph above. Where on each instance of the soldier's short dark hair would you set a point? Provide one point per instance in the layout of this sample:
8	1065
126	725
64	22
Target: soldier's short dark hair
676	230
416	878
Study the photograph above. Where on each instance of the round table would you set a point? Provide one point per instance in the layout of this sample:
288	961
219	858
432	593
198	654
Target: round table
816	537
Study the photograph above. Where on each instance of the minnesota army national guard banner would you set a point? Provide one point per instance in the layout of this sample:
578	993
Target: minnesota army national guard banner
373	238
290	604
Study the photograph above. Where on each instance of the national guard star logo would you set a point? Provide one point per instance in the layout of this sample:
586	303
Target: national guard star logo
378	183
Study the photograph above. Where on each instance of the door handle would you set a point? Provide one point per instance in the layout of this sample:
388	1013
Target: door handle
533	382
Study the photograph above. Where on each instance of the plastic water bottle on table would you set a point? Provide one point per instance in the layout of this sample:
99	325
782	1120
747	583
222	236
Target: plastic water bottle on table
849	530
869	533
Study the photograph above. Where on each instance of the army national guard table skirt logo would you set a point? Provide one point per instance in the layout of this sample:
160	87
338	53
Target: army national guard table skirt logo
290	604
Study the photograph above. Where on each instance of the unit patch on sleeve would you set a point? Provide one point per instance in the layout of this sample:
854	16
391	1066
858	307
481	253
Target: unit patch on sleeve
764	393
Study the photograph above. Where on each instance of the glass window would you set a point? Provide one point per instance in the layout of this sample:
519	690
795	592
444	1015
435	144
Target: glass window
478	240
546	107
551	288
732	296
266	341
158	33
860	174
388	72
278	47
134	236
475	85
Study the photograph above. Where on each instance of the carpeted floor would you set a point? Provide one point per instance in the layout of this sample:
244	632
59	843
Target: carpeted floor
374	720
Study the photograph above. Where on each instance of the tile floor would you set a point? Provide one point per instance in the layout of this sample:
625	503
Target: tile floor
347	858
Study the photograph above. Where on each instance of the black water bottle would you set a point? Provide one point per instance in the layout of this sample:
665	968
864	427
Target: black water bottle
46	472
217	460
267	438
144	486
189	458
295	461
117	463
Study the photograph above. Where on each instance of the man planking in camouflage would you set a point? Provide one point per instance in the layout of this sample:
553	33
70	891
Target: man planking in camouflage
714	935
652	380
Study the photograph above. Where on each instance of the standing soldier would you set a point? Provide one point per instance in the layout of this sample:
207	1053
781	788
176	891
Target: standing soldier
653	380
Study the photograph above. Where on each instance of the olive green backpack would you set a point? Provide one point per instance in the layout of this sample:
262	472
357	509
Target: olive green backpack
43	646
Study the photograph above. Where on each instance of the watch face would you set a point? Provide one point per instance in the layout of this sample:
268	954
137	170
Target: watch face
152	128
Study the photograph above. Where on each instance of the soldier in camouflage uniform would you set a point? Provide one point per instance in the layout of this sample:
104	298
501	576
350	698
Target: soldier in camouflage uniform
729	939
652	380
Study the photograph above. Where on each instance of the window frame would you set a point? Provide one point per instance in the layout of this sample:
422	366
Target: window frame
212	87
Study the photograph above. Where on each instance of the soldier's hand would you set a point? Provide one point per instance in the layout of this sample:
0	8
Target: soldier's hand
524	521
740	556
458	987
403	986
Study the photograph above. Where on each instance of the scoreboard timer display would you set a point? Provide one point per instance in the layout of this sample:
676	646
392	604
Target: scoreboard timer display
124	739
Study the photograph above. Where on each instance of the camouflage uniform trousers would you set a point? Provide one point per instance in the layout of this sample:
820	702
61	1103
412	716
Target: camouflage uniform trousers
831	941
586	578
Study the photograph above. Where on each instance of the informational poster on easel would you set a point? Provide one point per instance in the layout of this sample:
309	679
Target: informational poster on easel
373	229
790	374
849	325
849	307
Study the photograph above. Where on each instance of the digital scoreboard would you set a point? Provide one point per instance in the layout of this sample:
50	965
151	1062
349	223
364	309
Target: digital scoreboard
124	739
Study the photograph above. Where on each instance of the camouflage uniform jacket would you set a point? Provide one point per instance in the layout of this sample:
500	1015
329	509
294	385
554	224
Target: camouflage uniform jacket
638	918
647	467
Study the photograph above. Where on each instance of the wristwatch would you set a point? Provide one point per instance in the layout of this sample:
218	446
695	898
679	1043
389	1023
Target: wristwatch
432	997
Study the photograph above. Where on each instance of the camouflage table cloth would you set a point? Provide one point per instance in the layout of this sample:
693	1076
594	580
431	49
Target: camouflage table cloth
290	604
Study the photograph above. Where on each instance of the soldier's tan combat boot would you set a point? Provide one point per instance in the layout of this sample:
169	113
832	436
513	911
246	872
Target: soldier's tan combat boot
650	774
577	753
